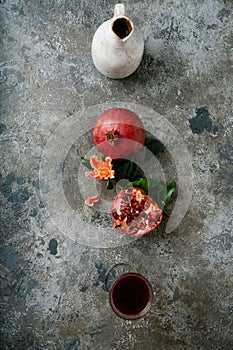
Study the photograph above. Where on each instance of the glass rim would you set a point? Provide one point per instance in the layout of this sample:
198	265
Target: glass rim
148	305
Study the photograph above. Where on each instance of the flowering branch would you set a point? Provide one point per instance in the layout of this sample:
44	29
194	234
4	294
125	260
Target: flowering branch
102	171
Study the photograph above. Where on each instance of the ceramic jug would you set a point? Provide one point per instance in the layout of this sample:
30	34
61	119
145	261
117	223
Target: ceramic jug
117	46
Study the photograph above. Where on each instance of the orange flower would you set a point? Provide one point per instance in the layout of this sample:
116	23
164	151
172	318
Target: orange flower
91	200
102	169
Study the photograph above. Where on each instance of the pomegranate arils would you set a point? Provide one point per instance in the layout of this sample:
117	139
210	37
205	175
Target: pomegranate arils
134	212
114	214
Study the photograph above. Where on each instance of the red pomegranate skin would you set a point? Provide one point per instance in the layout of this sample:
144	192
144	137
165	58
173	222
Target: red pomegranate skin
119	133
134	212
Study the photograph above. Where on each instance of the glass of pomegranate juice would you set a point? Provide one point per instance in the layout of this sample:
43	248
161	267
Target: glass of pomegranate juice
130	293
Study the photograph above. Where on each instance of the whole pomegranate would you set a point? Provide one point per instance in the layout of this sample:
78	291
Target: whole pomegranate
134	212
119	133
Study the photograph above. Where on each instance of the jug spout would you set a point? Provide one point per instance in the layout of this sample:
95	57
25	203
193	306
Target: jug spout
122	27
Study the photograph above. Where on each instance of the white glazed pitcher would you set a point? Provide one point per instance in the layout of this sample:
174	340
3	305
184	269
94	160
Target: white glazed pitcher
117	46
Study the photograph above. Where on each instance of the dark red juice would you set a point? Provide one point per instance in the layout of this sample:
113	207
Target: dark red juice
130	295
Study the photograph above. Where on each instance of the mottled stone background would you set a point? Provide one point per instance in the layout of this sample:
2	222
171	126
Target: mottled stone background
52	292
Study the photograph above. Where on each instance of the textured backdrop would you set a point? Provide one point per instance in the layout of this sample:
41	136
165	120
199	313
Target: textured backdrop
52	288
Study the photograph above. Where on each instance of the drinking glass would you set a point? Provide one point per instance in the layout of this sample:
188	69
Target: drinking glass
130	293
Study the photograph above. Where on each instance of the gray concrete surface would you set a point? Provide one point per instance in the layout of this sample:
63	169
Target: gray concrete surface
52	293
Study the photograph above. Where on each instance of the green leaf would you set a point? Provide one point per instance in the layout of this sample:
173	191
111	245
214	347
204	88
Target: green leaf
157	190
109	185
142	183
120	168
170	190
132	172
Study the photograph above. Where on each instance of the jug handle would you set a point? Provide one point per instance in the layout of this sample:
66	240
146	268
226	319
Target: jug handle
119	10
